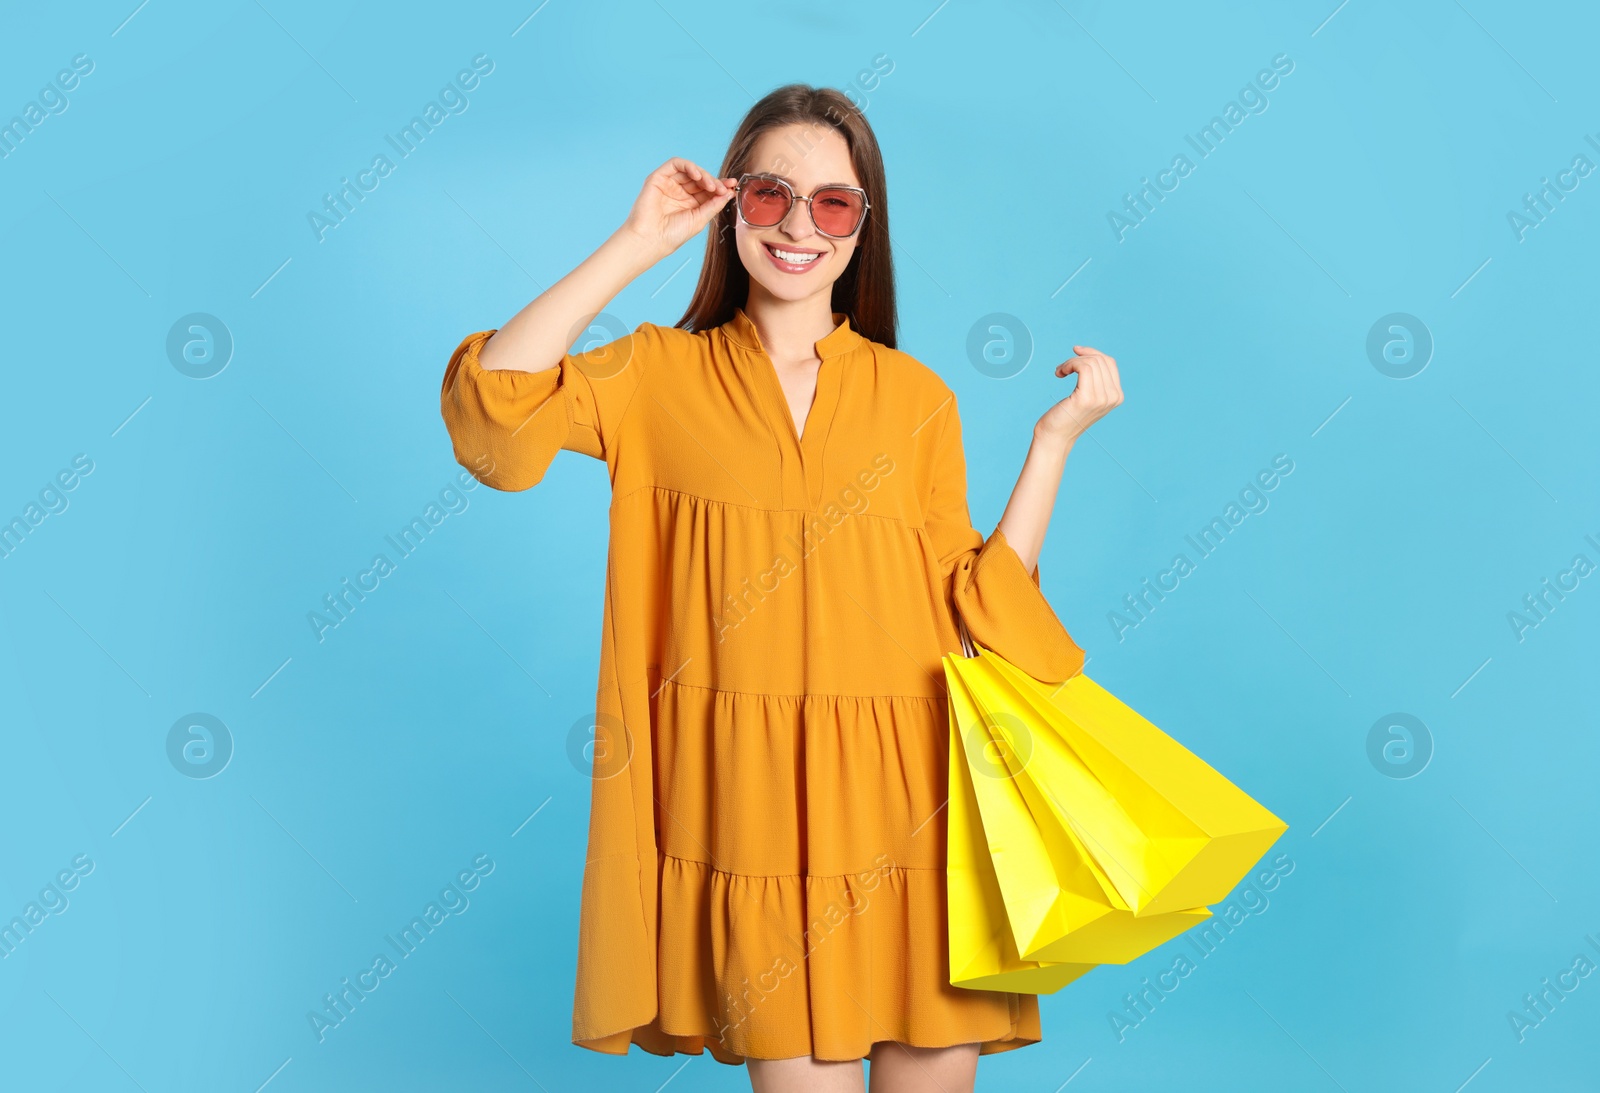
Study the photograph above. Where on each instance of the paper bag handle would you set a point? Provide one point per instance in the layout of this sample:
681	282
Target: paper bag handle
967	646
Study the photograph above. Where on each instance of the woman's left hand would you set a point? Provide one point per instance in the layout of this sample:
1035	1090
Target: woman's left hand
1099	391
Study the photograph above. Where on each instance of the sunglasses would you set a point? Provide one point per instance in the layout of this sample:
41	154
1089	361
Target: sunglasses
836	211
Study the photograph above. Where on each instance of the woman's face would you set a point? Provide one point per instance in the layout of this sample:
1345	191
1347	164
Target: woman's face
806	157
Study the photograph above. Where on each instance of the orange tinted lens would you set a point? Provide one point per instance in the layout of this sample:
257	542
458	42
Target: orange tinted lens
763	202
837	212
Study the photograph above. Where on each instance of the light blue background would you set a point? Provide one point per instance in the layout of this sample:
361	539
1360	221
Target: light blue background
373	766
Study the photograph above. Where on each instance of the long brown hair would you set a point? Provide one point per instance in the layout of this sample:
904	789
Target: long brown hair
865	291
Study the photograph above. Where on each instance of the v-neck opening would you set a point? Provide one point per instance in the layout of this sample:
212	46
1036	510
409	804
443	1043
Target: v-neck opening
741	329
797	432
806	444
798	429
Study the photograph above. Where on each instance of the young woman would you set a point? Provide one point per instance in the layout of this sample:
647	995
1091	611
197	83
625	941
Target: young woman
790	548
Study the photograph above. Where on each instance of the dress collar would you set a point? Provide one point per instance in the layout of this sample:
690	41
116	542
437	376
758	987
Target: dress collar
741	330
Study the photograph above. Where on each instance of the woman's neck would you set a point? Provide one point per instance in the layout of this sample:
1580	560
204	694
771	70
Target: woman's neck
790	329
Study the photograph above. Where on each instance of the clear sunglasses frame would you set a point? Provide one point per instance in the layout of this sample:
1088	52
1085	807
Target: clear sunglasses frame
793	197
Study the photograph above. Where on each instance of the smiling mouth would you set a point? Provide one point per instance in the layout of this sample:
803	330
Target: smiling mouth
797	259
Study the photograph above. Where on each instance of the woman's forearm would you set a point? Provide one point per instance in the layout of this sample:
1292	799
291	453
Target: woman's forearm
1027	515
537	336
1098	391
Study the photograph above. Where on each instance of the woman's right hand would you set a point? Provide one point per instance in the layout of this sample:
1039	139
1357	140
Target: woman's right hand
678	199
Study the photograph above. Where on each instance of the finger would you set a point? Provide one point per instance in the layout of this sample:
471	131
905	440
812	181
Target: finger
1099	360
710	207
711	184
1080	364
708	195
1112	380
1107	375
689	172
673	174
1106	378
676	167
708	181
1089	384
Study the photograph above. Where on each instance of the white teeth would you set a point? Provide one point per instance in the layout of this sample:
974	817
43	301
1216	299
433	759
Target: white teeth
791	256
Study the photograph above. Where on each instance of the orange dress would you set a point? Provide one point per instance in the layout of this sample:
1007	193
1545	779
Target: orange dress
766	849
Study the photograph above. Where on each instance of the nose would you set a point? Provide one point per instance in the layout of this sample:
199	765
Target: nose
797	225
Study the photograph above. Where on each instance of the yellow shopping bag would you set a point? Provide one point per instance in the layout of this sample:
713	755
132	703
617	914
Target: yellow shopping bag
1105	837
1058	904
983	954
1198	833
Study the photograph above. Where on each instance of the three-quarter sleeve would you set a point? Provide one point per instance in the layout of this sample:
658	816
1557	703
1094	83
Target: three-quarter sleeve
1002	604
506	425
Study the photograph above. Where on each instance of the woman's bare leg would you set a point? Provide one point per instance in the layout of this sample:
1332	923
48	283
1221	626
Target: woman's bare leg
901	1068
805	1075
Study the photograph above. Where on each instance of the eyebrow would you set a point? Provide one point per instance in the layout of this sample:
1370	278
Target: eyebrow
820	186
